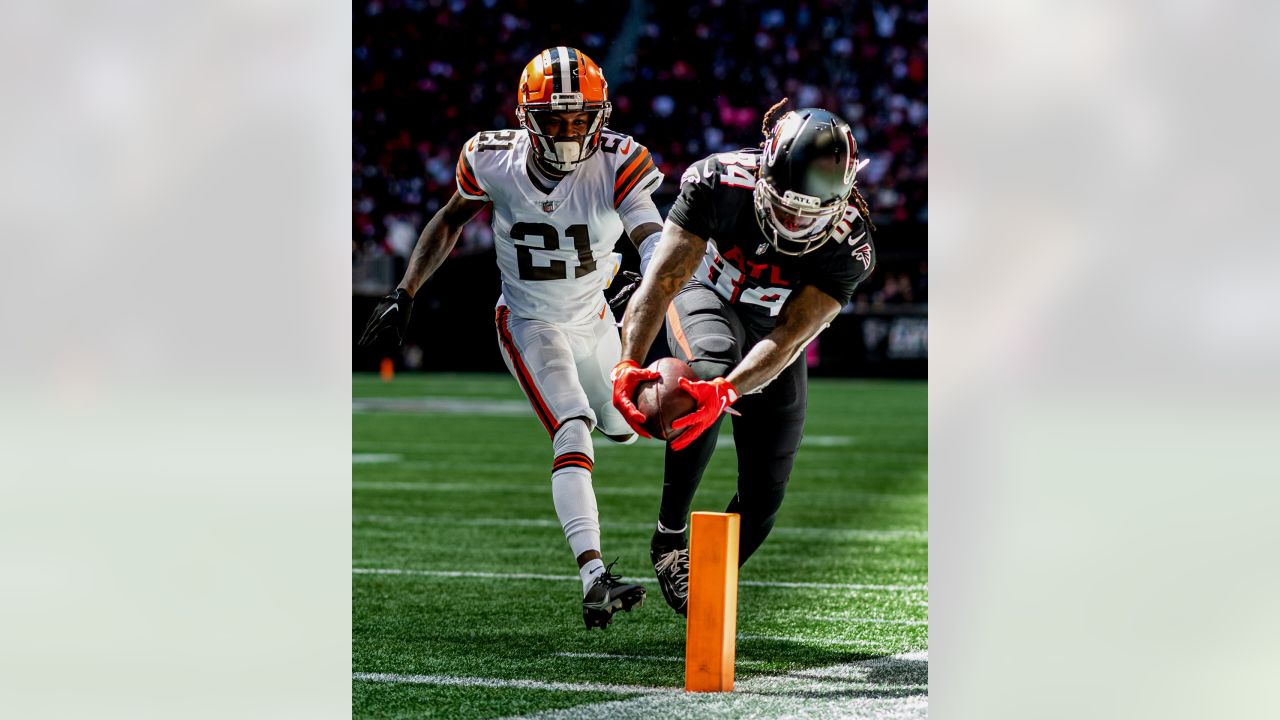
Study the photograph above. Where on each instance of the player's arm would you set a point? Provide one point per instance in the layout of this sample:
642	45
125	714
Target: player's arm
643	225
434	245
811	308
437	240
645	237
635	179
805	314
676	257
678	254
644	231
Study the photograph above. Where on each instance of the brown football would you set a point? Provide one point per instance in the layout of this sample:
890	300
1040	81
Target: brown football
663	400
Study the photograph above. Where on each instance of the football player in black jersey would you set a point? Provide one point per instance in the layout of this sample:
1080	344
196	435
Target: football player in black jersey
757	256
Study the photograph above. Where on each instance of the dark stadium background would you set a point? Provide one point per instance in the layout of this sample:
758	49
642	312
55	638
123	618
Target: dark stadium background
687	79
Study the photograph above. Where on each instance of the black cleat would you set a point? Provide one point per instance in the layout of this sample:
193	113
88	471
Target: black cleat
606	596
670	555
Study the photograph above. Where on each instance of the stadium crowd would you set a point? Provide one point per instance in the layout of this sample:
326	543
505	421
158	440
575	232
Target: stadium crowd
685	79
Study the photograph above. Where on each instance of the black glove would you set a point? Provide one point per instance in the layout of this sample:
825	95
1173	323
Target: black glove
391	314
625	292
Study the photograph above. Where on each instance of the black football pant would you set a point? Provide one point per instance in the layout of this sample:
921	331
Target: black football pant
706	332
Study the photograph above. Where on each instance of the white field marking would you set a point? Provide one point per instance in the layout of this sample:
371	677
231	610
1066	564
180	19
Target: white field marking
535	576
480	522
600	488
726	440
833	586
498	683
827	441
873	621
809	641
642	444
361	458
468	467
849	533
654	658
887	688
441	405
463	574
797	532
484	487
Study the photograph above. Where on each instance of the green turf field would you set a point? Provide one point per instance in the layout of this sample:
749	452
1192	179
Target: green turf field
466	601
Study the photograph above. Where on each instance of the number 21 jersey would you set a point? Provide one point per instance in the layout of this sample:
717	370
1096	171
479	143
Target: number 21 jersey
555	245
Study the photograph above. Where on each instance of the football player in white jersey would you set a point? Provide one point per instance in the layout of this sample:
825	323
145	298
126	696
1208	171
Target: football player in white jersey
562	190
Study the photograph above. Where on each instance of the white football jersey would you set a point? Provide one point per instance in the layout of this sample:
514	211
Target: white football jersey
555	249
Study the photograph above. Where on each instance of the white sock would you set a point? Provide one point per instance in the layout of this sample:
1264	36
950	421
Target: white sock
571	490
589	572
575	503
664	529
574	498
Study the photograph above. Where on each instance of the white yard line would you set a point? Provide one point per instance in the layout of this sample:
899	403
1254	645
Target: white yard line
365	458
607	656
479	522
441	405
797	532
489	488
886	688
500	683
809	641
463	574
652	658
874	621
533	576
833	586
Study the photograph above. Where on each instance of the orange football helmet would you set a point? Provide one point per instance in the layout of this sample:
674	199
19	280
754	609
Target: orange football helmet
563	79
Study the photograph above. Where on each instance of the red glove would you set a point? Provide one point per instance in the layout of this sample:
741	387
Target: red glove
712	397
627	376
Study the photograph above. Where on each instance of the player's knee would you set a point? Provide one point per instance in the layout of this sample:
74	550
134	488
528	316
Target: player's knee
769	482
759	512
710	368
572	444
714	355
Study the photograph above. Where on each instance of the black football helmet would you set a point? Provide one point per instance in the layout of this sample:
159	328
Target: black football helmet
806	177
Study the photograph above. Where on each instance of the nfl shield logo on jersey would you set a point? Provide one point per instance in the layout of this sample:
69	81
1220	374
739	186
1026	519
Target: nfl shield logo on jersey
763	246
549	206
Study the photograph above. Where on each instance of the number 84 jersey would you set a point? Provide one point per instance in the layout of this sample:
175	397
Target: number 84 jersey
555	245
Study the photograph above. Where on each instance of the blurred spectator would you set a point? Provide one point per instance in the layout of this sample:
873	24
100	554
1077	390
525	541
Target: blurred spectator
686	79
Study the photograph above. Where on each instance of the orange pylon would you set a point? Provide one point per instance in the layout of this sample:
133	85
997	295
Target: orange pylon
711	634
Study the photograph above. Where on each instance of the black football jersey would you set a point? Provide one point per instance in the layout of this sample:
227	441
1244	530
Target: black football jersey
716	204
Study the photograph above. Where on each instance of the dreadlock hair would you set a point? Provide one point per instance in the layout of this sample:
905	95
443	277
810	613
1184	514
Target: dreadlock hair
769	120
858	201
